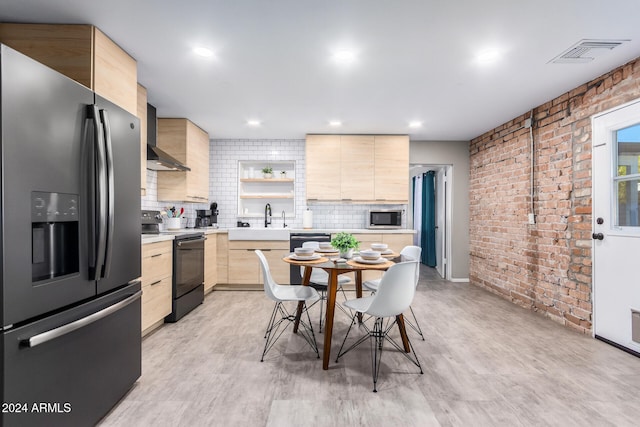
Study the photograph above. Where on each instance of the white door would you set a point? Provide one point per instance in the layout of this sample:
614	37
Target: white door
616	224
441	204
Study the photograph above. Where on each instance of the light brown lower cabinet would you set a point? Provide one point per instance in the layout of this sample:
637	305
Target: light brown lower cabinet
156	284
210	262
223	257
396	242
238	265
244	267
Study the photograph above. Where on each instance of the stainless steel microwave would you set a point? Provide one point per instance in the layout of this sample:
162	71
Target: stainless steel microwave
385	218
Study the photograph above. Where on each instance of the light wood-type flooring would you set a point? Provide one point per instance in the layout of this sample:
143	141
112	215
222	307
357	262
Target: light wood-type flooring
486	362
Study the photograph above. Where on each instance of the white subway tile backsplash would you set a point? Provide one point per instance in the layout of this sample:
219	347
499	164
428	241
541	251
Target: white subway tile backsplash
224	155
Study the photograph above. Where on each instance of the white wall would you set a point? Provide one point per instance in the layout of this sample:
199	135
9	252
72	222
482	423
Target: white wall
456	154
223	186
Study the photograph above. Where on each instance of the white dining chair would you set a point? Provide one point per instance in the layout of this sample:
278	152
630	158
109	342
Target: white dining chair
280	316
320	281
407	253
394	295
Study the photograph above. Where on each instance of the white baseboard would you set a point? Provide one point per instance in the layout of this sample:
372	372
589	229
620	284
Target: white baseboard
463	280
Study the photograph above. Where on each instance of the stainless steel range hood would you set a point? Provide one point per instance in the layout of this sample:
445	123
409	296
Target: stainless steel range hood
157	159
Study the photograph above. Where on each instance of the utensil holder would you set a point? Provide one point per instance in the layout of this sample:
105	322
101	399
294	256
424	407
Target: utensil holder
173	223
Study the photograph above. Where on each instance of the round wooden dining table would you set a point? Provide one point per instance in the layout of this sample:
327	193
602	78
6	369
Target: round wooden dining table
334	269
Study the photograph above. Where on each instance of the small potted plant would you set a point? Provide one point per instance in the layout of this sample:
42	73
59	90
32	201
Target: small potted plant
345	243
267	172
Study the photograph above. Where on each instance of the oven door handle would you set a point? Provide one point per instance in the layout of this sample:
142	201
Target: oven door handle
189	242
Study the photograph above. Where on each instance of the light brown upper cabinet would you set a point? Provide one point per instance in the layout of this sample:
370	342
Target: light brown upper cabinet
322	158
142	115
358	168
189	144
82	53
391	169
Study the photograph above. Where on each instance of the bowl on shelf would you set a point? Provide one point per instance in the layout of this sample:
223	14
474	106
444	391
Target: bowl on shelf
379	247
325	245
369	255
303	251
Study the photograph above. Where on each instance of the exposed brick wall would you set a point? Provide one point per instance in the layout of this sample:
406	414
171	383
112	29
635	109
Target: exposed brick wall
545	267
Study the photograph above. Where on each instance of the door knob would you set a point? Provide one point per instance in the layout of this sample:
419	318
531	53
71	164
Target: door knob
597	236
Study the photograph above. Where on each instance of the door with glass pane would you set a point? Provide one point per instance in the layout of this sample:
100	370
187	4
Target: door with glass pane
616	226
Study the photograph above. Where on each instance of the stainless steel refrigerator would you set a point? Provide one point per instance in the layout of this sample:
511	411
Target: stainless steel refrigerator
69	247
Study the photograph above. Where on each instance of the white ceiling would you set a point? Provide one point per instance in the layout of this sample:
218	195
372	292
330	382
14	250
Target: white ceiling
415	59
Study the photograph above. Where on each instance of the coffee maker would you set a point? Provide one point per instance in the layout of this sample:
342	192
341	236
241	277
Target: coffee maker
207	217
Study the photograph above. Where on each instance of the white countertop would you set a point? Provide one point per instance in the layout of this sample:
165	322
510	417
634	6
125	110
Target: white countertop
354	230
153	238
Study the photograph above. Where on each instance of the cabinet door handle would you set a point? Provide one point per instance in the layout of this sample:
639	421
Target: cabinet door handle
155	283
156	255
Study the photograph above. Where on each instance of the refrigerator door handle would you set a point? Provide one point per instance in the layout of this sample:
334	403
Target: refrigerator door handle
77	324
99	195
104	116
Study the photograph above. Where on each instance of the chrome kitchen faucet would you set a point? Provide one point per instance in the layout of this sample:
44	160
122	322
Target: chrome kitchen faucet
267	215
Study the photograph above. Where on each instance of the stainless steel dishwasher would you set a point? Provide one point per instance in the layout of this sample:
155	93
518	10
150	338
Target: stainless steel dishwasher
295	241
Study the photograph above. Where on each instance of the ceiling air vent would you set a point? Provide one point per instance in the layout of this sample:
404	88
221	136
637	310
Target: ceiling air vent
585	51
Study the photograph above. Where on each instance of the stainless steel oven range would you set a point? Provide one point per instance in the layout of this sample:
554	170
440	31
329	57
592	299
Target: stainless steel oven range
188	274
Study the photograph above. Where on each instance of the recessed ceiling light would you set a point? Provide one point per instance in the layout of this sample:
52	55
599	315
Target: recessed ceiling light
415	124
344	56
487	56
335	123
254	122
203	51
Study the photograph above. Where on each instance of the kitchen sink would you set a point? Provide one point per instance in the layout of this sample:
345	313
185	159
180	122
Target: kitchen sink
249	233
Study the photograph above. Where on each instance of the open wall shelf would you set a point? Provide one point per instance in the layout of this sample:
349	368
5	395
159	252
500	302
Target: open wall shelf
256	190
